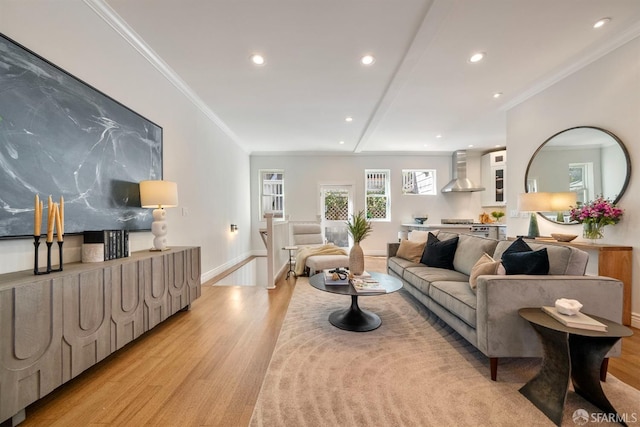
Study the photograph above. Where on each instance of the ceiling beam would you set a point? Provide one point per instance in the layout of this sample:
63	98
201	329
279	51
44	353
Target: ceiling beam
434	17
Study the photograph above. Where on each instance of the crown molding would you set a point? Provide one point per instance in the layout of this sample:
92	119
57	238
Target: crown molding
104	11
606	48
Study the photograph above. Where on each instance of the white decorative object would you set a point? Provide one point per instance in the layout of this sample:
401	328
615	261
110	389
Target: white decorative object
570	307
159	195
92	252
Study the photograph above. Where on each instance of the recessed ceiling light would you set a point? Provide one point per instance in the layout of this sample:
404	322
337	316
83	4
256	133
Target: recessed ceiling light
438	136
367	60
477	57
497	94
257	59
348	119
341	142
470	145
602	22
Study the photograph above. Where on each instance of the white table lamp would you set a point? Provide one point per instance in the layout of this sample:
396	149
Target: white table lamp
562	202
159	195
534	202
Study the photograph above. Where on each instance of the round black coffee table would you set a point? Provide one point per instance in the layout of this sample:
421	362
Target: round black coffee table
354	318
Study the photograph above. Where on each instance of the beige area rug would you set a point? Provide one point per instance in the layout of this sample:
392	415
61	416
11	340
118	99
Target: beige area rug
412	371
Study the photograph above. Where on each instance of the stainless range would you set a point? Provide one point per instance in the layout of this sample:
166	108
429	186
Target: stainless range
469	227
456	221
457	225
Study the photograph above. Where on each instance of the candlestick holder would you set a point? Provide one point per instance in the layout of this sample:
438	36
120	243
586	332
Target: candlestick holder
36	245
49	256
59	253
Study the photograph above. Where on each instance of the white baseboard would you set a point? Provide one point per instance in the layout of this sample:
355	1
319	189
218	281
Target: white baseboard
635	320
208	275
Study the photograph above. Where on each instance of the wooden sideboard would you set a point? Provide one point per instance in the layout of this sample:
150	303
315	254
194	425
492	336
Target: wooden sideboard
55	326
613	261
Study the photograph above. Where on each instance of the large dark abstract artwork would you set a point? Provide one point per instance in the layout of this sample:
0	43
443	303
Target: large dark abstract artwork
62	137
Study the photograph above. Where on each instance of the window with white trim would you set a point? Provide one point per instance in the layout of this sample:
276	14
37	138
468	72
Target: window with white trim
377	194
272	193
419	182
580	181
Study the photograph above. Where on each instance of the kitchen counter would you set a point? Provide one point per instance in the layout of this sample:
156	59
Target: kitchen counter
494	231
444	226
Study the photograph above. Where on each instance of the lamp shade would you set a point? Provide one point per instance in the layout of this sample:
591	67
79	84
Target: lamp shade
563	201
534	202
157	194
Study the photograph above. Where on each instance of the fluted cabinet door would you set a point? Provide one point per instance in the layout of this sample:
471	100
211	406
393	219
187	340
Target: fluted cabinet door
30	344
154	277
193	274
127	309
177	275
87	320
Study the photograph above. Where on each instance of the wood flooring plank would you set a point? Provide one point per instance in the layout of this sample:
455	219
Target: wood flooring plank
627	367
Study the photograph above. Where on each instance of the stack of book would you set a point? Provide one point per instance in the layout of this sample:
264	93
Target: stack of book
115	242
366	284
579	320
335	276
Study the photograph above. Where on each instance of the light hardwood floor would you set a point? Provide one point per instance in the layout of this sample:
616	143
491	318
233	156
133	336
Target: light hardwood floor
203	367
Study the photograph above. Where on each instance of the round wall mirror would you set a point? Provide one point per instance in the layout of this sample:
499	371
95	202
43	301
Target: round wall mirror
584	160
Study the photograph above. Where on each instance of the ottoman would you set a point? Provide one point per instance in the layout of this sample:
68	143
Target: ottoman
317	263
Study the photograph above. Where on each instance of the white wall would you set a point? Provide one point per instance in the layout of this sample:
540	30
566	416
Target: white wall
212	172
305	173
605	94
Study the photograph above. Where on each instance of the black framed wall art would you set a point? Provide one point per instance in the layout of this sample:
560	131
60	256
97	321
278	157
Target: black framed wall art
61	137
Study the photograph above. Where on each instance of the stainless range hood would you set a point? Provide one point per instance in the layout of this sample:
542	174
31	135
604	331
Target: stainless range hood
460	182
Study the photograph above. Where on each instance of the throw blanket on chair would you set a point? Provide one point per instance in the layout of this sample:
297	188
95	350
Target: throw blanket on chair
306	252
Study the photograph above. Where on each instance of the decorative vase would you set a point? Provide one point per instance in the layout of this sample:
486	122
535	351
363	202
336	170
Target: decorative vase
356	260
592	231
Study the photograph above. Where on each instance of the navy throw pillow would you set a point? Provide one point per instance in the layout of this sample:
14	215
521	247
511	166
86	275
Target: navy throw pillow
532	262
439	253
518	245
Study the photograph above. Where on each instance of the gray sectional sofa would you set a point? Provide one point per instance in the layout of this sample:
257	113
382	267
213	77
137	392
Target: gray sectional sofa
488	317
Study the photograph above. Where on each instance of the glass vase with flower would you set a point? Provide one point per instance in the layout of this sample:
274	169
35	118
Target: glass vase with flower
594	216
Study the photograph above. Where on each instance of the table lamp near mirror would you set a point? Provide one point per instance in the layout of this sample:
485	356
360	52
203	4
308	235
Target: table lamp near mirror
159	194
533	203
562	203
541	202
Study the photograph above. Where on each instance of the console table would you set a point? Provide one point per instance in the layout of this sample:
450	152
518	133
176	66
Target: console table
55	326
613	261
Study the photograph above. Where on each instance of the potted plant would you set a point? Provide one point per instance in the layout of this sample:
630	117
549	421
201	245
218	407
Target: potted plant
594	215
497	215
358	228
